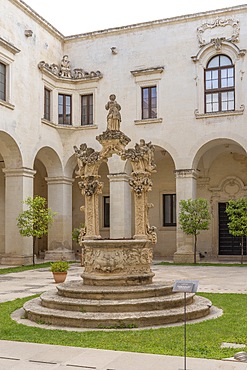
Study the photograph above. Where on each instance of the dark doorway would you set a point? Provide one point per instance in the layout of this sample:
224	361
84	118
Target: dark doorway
228	244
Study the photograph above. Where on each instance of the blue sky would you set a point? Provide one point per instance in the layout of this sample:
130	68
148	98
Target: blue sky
79	16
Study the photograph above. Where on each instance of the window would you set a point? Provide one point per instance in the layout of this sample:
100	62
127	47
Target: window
149	102
47	104
106	210
87	109
2	81
169	210
219	85
64	109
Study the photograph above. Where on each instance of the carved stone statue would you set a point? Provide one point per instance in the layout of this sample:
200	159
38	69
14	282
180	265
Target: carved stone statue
65	70
113	117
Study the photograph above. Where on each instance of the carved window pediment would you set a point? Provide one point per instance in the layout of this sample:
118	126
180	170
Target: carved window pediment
63	73
147	71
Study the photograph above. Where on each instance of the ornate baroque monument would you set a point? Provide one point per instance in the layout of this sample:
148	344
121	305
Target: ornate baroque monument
117	288
119	261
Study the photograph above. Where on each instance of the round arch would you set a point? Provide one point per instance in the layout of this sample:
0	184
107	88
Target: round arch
220	145
10	151
51	161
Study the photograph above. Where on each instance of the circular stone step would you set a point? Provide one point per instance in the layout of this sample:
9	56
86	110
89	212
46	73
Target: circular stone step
52	300
36	312
76	289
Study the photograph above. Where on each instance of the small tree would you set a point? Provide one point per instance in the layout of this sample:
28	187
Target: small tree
194	217
36	220
236	211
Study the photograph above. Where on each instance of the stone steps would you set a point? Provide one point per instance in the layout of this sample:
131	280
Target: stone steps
76	305
76	289
52	300
38	313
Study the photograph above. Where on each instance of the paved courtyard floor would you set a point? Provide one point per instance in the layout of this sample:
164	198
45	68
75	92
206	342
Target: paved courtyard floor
25	356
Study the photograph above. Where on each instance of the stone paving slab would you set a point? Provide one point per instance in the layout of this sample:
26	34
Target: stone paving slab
25	356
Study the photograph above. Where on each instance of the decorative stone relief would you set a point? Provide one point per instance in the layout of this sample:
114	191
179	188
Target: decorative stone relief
114	141
218	22
230	188
64	70
134	259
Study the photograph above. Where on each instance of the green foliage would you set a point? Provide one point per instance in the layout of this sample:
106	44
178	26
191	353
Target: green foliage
36	220
194	217
203	339
59	266
76	232
236	211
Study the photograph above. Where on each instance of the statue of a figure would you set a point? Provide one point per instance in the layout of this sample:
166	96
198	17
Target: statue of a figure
113	117
65	70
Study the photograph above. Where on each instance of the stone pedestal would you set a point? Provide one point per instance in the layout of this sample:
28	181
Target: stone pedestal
117	262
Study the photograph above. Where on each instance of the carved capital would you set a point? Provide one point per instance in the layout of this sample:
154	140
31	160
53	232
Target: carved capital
183	173
90	185
141	157
140	183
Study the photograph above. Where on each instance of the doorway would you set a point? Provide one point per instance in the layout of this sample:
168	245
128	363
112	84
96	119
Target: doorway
228	244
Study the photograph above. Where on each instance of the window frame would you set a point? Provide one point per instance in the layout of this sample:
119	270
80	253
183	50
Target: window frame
219	91
64	105
4	83
172	210
150	97
47	104
106	211
89	116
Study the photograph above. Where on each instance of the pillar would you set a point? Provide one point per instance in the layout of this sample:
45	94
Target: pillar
60	232
18	186
186	184
120	206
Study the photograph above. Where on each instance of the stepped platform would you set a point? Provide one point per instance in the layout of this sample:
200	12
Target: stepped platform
74	304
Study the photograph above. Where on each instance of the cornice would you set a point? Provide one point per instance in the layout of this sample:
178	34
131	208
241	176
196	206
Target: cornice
151	24
117	30
10	47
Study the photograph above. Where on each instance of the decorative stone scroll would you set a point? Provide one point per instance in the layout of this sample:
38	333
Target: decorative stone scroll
218	22
64	70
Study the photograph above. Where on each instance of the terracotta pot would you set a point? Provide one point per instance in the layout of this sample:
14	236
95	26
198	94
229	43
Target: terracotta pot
59	277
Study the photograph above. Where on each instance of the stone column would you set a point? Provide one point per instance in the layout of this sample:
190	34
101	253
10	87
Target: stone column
60	232
141	184
18	186
186	184
120	206
91	187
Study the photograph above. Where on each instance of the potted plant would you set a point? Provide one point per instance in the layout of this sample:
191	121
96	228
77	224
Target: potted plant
59	270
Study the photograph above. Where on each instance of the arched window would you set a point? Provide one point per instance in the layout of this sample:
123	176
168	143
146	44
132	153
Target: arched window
219	85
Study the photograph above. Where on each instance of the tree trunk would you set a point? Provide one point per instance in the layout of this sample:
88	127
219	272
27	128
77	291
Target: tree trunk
34	244
195	246
242	250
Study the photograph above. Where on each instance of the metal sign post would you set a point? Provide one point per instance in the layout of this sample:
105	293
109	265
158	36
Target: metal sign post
185	286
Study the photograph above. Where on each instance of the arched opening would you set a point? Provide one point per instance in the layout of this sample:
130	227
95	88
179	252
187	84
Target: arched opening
163	197
222	176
